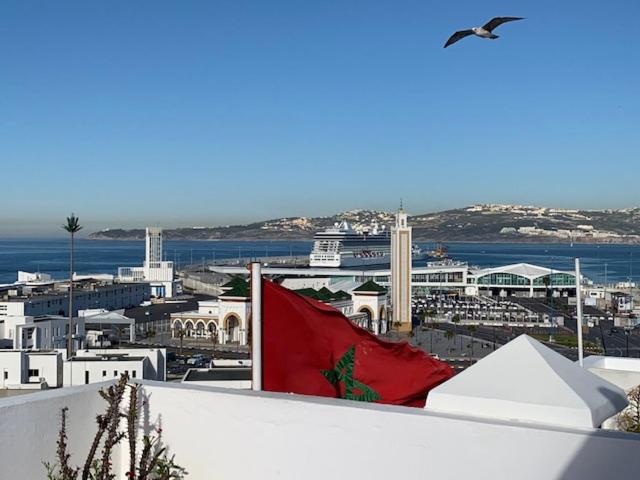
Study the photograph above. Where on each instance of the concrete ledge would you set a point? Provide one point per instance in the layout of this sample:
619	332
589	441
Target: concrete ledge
224	433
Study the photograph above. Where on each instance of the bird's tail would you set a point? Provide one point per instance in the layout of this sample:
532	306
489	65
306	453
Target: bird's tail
493	37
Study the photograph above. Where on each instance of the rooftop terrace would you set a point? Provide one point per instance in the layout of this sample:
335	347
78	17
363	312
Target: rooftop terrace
222	433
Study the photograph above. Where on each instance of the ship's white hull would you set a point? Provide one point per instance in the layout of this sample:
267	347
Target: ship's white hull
350	261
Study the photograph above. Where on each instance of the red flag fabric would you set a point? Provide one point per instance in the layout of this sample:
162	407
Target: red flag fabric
311	348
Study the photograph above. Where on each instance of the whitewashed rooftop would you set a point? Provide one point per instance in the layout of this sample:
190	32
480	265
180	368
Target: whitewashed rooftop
226	434
526	381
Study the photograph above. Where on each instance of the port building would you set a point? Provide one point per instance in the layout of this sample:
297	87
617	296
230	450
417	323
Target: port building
225	320
155	271
518	280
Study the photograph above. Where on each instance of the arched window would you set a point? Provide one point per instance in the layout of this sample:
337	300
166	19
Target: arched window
200	329
367	311
177	328
232	328
188	327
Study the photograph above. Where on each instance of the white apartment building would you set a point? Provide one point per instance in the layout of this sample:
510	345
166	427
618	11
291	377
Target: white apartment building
28	277
30	370
22	301
92	366
103	328
43	332
38	370
93	328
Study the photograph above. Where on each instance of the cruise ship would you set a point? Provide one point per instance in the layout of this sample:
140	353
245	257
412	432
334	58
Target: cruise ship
342	246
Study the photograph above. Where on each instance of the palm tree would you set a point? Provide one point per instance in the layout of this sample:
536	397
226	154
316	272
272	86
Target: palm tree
73	227
213	333
449	335
456	322
180	335
119	334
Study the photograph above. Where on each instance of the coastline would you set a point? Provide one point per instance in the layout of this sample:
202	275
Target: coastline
284	238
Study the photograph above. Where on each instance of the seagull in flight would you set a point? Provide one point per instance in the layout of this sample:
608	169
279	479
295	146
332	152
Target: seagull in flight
484	32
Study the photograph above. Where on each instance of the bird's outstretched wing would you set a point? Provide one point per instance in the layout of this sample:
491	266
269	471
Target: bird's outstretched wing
458	36
496	22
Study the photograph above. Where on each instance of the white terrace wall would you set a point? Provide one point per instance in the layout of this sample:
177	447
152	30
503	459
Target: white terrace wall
29	427
226	434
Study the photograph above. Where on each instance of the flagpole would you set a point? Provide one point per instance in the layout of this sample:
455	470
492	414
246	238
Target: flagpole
579	311
256	326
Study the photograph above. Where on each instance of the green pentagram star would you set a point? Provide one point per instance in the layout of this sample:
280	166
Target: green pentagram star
343	372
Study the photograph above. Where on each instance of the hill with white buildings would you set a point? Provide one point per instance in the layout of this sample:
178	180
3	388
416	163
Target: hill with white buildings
486	222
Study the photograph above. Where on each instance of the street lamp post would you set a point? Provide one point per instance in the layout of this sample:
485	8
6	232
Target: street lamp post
626	334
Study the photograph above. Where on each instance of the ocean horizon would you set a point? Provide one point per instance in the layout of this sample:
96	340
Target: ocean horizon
620	262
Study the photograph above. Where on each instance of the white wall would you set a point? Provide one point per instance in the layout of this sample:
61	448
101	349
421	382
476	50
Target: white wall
48	366
292	437
234	384
306	282
100	370
12	362
12	308
33	277
29	428
209	307
243	435
18	363
155	368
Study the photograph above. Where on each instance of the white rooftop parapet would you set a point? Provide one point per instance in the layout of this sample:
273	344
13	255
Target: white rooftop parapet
623	372
231	434
527	381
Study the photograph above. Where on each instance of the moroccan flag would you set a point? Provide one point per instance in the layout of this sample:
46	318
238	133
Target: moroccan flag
311	348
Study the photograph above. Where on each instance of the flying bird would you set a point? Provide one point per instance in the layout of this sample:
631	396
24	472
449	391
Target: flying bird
484	32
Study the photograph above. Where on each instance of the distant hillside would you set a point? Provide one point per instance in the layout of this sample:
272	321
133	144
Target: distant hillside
509	223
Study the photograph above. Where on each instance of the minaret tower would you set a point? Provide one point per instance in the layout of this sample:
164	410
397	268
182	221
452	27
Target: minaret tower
401	272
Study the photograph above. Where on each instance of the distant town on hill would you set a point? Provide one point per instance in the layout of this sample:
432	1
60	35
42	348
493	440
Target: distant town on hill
506	223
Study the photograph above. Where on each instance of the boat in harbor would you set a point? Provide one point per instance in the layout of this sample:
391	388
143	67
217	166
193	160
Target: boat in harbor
342	247
440	252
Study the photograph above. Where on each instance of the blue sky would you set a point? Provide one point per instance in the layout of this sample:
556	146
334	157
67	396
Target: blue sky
215	112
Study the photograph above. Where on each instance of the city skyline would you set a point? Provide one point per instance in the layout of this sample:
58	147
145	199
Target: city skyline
219	113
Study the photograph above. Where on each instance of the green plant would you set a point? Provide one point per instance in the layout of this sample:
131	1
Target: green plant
449	335
153	463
